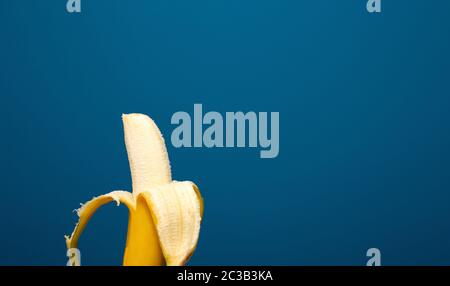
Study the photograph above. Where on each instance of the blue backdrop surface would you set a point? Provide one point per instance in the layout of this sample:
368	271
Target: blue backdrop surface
364	125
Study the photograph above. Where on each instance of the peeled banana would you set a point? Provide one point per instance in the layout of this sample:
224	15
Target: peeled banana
164	215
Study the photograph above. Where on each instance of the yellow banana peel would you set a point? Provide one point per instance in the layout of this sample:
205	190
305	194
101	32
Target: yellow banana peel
164	215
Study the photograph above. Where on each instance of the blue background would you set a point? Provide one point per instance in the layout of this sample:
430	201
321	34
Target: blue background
364	110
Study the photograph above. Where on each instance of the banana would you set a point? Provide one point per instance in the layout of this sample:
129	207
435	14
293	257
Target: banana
164	215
